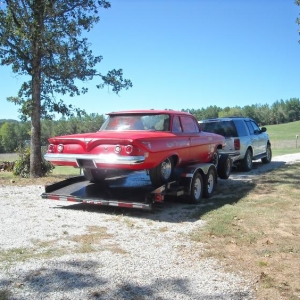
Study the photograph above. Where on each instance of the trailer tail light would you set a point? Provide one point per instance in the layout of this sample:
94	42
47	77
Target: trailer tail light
159	197
237	144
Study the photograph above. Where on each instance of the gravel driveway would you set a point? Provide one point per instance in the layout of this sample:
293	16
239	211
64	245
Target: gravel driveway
52	250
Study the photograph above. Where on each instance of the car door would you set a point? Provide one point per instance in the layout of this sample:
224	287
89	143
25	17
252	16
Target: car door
199	143
254	137
260	137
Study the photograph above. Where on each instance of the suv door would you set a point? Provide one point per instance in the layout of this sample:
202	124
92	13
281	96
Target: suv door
261	137
256	138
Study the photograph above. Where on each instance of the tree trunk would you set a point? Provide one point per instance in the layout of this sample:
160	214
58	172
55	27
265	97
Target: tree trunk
35	146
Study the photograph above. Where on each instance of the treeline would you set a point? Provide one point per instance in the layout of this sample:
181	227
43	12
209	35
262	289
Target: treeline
279	112
14	134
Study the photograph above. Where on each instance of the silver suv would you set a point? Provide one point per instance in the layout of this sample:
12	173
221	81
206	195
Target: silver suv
245	140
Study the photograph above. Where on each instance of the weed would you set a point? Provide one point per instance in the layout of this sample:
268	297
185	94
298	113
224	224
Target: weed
5	294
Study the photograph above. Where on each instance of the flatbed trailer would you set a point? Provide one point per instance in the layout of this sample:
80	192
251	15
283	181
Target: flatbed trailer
135	191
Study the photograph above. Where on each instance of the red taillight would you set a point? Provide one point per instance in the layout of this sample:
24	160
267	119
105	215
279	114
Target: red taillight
237	144
50	148
128	149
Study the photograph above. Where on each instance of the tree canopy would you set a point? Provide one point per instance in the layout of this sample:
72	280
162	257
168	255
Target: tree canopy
44	39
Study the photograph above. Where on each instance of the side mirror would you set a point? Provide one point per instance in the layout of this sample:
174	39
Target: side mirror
263	129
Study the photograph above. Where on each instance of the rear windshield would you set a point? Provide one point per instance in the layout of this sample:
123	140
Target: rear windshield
156	122
225	128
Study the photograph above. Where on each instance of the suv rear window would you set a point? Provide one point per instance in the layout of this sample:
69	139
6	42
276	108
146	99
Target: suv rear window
225	128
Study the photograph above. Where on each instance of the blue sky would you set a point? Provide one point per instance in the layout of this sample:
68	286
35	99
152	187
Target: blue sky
189	54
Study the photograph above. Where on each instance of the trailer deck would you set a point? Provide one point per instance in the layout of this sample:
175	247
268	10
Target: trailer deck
134	191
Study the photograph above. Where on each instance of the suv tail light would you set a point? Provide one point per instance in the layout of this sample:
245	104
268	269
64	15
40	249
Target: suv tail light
237	144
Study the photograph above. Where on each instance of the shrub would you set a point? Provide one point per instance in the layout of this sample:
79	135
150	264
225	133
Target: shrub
7	166
22	165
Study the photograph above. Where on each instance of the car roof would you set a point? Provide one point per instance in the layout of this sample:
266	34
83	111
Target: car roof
150	111
224	119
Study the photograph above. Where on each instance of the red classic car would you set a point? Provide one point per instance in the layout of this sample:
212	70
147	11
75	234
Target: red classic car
152	140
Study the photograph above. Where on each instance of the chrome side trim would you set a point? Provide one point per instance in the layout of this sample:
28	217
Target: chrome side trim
101	158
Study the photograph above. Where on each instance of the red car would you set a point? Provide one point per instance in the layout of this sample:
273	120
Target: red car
152	140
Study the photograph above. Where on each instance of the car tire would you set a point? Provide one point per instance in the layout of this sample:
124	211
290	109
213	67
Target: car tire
224	166
268	158
162	173
209	182
247	161
196	189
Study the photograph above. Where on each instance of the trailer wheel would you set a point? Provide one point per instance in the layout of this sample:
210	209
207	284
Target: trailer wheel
225	166
209	182
162	173
196	188
215	159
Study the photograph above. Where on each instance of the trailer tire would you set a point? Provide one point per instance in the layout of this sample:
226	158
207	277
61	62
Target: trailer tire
225	166
162	173
196	188
209	182
215	159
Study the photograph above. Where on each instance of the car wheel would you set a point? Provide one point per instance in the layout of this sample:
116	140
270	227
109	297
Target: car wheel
196	188
215	159
209	182
224	167
247	161
94	175
268	158
162	173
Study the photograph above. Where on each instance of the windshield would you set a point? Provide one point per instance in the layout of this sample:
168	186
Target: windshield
160	122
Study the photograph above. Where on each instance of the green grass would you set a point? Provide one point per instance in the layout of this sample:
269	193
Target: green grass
287	131
66	171
257	231
283	138
282	151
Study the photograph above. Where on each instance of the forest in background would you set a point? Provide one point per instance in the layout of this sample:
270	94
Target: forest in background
15	134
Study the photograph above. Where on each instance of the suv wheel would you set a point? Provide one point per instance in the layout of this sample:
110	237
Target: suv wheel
268	158
247	161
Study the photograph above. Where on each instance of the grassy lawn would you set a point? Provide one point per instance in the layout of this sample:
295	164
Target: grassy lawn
287	131
254	227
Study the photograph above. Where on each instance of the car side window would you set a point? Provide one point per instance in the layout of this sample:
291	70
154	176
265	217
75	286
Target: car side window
241	127
176	125
189	124
255	127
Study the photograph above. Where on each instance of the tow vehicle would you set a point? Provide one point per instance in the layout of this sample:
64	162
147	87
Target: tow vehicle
192	183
